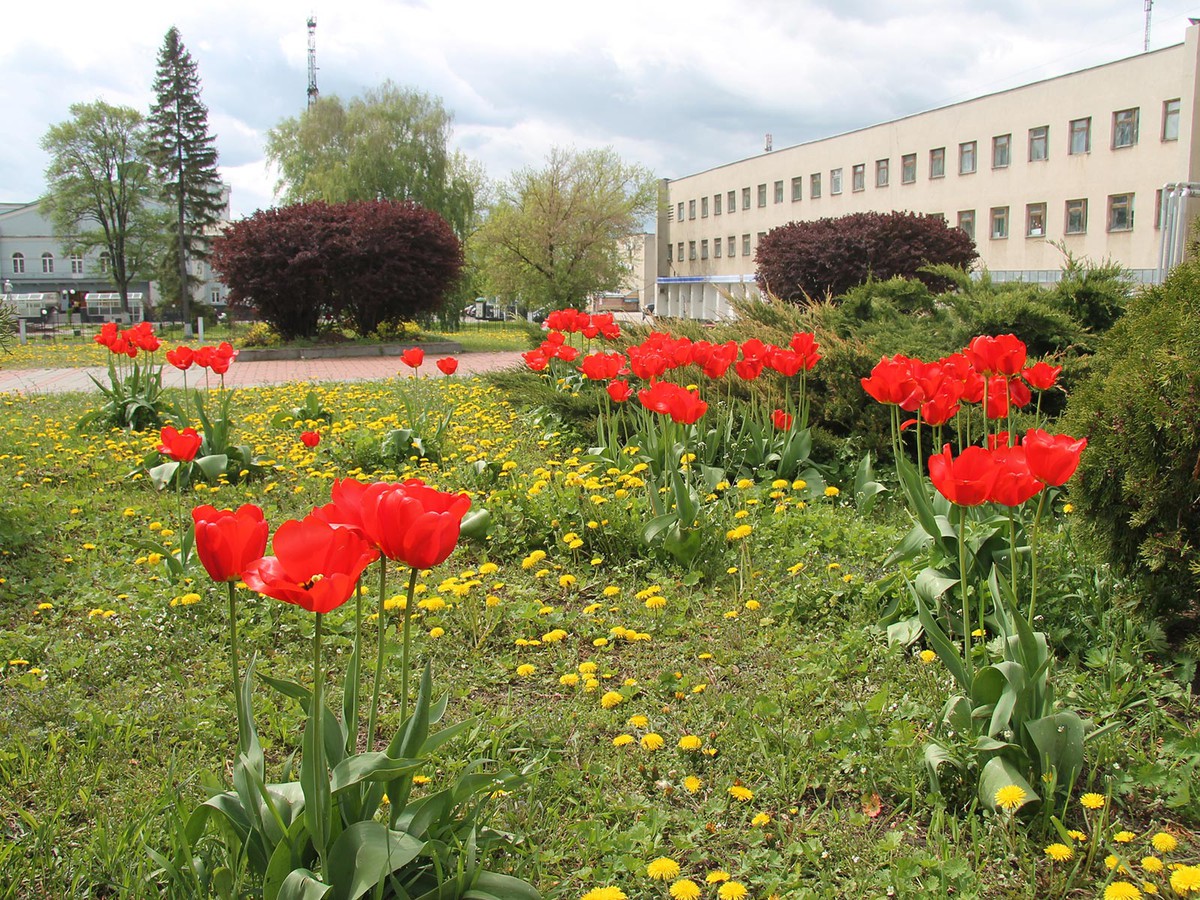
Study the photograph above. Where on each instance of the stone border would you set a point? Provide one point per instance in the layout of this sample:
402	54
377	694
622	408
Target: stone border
345	351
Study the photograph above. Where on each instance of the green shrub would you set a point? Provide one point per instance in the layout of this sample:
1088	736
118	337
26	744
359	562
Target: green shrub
1139	480
261	334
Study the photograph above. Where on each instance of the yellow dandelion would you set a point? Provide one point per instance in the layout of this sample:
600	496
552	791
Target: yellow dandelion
1059	852
1010	797
690	742
1092	801
732	890
662	869
525	670
927	656
611	699
656	602
685	889
761	820
1124	837
622	740
741	793
569	680
587	668
1121	890
716	876
437	632
638	721
1185	880
1164	842
692	784
1152	864
652	741
831	491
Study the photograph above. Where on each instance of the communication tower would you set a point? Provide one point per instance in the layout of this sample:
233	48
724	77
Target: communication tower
313	93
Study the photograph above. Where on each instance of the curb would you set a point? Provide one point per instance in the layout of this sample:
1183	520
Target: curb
350	351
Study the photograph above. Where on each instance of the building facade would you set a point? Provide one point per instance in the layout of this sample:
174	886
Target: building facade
1102	162
36	265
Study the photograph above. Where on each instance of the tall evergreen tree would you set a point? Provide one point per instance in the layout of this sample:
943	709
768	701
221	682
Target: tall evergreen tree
185	156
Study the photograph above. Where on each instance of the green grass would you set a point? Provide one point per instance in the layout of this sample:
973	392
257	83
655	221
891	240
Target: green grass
114	703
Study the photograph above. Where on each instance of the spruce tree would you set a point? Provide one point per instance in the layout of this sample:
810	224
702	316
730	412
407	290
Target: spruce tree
185	157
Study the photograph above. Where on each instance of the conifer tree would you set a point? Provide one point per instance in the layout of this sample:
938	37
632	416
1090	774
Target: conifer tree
185	157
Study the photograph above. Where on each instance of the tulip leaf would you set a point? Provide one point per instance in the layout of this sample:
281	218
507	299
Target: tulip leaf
477	525
213	466
1059	740
365	854
494	886
999	772
161	475
373	766
302	884
937	756
942	645
296	852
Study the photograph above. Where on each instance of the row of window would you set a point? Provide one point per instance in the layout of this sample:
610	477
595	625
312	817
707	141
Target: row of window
1119	217
18	263
1075	221
1079	141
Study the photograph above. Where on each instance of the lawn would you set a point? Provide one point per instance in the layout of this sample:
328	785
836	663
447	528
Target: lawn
736	720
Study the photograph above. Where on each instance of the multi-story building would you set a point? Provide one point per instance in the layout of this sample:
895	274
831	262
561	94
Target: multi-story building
1099	163
36	264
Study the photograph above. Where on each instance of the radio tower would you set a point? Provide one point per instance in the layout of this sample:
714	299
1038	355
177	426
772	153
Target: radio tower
313	93
1146	42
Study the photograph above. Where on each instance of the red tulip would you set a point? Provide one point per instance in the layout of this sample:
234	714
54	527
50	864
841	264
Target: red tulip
943	405
222	357
448	365
966	480
892	382
536	360
227	541
310	439
315	566
750	368
1014	482
413	357
108	335
181	446
203	356
687	407
1002	355
412	522
997	397
602	366
619	391
1053	458
144	337
1041	375
781	420
345	510
181	357
670	399
804	344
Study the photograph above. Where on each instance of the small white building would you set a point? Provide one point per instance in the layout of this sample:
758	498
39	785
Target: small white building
1098	160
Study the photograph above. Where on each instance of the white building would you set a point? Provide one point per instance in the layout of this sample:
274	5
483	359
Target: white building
1098	160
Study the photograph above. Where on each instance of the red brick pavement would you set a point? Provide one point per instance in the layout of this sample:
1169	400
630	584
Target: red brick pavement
244	374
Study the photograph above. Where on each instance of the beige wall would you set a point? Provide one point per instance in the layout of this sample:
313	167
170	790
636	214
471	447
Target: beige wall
1143	82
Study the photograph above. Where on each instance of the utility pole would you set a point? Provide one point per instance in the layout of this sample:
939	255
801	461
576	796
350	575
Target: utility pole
1146	42
313	93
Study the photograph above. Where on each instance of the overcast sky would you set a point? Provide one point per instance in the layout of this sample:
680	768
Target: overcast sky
677	86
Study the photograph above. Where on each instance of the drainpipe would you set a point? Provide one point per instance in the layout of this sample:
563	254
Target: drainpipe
1173	225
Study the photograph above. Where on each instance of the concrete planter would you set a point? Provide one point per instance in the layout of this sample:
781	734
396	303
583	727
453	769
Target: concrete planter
346	351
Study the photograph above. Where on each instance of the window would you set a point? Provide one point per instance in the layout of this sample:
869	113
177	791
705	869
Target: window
1081	136
1125	128
718	243
966	158
670	252
779	192
814	186
762	195
731	202
47	263
691	250
1120	212
105	262
731	246
18	263
691	209
759	237
745	198
704	207
1158	208
966	222
1035	220
1039	143
858	177
76	264
1170	129
214	297
679	215
745	245
881	172
1076	217
679	255
716	204
835	181
1001	151
704	249
797	188
999	223
937	162
908	168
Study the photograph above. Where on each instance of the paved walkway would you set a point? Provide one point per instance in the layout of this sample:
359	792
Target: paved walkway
246	374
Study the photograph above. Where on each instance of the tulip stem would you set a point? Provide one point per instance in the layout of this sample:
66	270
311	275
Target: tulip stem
412	589
315	717
243	735
350	714
372	721
1033	584
968	662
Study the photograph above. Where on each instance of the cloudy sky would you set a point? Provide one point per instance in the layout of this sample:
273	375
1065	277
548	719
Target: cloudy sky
677	86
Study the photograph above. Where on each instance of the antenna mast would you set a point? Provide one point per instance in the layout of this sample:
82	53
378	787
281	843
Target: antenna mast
313	93
1146	42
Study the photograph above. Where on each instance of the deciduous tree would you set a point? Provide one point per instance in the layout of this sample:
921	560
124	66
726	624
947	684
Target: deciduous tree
555	234
804	260
366	262
185	157
98	185
389	144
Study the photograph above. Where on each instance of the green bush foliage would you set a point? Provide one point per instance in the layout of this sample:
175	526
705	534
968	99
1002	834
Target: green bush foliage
1139	482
